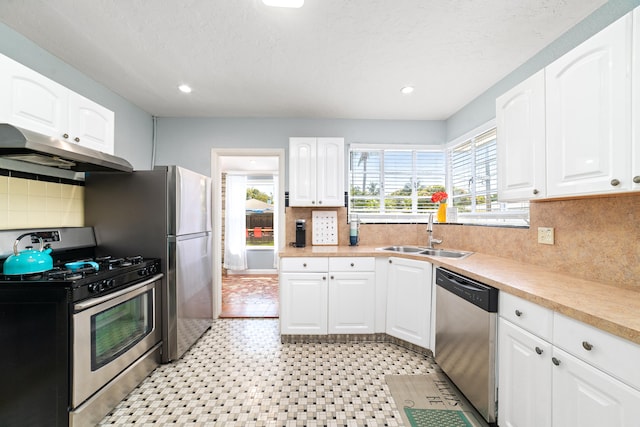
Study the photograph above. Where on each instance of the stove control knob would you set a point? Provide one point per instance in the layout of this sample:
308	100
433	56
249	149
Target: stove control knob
110	283
93	288
153	269
143	272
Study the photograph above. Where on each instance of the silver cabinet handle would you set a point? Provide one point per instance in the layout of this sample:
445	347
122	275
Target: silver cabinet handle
324	277
313	202
615	182
332	277
304	265
352	265
555	361
65	135
538	350
636	179
587	346
518	313
319	202
535	191
76	139
390	262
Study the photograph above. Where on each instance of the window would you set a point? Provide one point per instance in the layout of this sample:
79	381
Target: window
394	185
473	181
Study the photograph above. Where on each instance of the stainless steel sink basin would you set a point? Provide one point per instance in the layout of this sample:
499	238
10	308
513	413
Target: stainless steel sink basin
403	249
445	253
416	250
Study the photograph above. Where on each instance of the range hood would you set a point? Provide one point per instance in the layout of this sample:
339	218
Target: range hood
27	146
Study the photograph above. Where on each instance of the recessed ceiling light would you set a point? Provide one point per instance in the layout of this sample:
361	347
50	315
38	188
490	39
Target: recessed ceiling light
407	90
284	3
184	88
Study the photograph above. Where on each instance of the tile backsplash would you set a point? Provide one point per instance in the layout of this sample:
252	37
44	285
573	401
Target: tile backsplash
30	203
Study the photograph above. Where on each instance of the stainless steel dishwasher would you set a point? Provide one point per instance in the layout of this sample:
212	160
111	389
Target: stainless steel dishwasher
466	330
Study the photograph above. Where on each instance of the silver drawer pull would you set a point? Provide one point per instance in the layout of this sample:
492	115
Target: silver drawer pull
586	345
538	350
304	265
324	277
555	361
615	182
352	264
636	179
518	313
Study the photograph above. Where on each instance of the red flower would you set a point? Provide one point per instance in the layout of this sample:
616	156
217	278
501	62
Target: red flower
439	197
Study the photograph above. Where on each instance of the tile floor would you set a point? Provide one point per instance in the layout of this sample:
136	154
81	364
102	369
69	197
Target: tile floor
240	374
247	295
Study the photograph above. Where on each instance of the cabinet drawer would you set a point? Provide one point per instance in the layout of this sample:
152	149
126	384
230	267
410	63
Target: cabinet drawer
601	349
311	264
352	264
528	315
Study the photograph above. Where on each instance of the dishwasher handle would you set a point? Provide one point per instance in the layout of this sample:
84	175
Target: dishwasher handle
478	294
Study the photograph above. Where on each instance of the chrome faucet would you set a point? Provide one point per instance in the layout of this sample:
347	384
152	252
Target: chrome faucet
431	241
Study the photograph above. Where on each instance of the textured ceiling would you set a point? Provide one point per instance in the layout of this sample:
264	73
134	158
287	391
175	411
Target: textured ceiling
329	59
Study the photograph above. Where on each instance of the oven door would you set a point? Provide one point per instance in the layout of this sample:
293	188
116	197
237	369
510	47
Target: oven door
110	333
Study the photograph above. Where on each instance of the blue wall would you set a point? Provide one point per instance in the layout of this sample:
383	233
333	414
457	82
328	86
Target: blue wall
134	127
188	141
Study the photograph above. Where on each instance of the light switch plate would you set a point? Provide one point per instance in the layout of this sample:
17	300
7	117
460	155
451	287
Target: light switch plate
546	235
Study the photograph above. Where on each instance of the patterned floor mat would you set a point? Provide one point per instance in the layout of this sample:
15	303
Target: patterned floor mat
433	392
436	418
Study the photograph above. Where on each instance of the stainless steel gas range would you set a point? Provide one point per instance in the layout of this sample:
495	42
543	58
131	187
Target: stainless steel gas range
78	337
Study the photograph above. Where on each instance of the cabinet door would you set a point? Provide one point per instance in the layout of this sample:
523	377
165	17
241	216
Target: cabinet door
352	299
303	303
330	172
90	124
521	141
302	172
524	373
635	108
584	396
409	300
588	94
32	101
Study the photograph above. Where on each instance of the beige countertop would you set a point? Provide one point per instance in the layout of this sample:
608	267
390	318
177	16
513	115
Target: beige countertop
610	308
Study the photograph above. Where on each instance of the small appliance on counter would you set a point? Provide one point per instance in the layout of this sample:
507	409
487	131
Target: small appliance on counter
301	233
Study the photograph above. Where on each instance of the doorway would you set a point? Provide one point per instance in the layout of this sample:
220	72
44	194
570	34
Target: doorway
247	286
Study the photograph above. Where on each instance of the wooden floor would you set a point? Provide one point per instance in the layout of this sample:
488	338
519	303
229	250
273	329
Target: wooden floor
250	295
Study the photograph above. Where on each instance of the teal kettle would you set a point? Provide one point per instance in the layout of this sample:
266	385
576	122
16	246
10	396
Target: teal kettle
28	261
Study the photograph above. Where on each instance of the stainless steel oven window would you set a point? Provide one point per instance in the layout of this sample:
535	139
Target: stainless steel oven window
116	329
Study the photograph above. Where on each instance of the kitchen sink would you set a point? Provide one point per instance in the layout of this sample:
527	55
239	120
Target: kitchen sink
416	250
445	253
403	249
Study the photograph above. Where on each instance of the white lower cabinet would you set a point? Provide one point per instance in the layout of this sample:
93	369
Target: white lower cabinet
409	300
303	303
524	381
556	371
320	296
584	396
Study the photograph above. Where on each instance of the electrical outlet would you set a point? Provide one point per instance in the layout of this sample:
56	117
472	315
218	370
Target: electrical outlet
545	235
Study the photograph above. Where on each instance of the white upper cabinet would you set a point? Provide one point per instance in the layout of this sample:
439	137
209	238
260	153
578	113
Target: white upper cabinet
588	115
521	140
91	125
316	172
635	108
32	101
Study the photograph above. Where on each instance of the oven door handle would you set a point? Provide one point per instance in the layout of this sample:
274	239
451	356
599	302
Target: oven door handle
95	301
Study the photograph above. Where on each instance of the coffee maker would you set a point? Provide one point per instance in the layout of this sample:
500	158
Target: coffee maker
301	233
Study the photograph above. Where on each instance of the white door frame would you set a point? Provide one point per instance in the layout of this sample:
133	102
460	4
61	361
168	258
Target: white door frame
216	216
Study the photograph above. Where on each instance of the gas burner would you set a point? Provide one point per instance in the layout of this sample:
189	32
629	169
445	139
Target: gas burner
135	259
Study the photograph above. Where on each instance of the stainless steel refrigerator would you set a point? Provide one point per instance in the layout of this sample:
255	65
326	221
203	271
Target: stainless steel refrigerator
162	213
